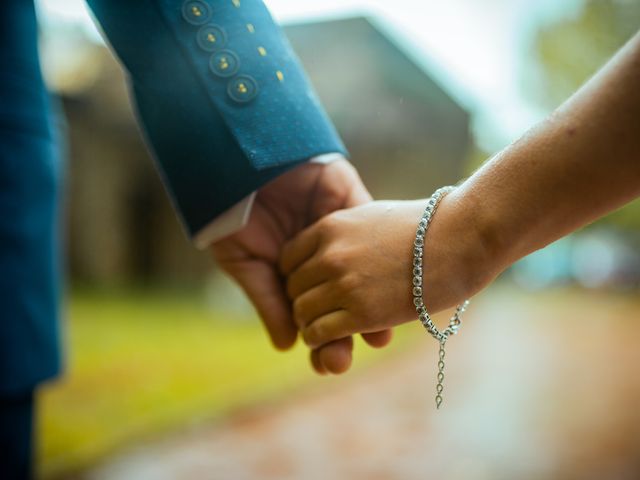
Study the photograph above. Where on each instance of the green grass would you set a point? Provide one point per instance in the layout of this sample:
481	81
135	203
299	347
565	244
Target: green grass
140	365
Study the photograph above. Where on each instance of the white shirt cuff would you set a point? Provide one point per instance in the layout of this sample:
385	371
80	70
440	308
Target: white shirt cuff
237	217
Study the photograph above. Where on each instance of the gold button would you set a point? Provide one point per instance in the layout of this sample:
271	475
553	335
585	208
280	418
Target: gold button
280	75
242	89
196	12
224	63
211	38
262	51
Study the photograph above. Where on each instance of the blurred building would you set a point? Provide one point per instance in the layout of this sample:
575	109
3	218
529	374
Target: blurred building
405	133
120	225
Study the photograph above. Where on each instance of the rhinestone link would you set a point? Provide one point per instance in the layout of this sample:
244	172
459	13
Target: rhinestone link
418	290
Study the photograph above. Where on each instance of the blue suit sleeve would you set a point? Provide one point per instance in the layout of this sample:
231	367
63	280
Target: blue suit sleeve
222	100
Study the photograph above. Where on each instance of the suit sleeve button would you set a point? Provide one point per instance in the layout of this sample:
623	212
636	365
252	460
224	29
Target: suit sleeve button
196	12
242	89
224	63
211	38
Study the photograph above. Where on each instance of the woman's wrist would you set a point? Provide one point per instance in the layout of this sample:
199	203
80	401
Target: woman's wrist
462	254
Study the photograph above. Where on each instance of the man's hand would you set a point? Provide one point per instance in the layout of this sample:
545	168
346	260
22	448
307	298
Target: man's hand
282	209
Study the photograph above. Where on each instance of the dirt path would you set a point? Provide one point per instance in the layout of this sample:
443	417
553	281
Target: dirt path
535	389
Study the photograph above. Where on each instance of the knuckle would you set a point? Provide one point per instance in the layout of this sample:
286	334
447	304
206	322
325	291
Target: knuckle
349	283
314	335
330	223
334	261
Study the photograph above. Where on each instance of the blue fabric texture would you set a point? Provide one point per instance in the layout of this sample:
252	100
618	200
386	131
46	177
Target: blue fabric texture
224	103
29	188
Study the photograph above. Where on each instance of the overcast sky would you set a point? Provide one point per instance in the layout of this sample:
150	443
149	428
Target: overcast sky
474	47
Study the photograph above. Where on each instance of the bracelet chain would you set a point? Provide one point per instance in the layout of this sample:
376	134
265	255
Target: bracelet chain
417	290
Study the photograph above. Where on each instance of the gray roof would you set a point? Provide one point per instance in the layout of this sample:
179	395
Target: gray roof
406	133
357	68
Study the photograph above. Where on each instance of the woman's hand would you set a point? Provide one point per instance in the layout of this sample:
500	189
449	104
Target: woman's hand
351	272
282	209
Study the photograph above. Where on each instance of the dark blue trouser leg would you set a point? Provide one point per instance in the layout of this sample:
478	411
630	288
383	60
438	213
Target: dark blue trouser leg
16	436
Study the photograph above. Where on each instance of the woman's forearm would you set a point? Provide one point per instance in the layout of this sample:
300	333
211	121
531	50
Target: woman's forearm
352	271
576	166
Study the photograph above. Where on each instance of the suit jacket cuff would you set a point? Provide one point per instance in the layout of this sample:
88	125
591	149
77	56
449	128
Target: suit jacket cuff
223	102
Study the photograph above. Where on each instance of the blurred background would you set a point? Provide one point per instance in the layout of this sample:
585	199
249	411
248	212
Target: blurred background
169	374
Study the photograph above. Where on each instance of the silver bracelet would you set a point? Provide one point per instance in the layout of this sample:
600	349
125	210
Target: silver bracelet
421	310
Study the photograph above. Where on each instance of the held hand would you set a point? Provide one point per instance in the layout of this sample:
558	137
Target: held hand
282	209
351	272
